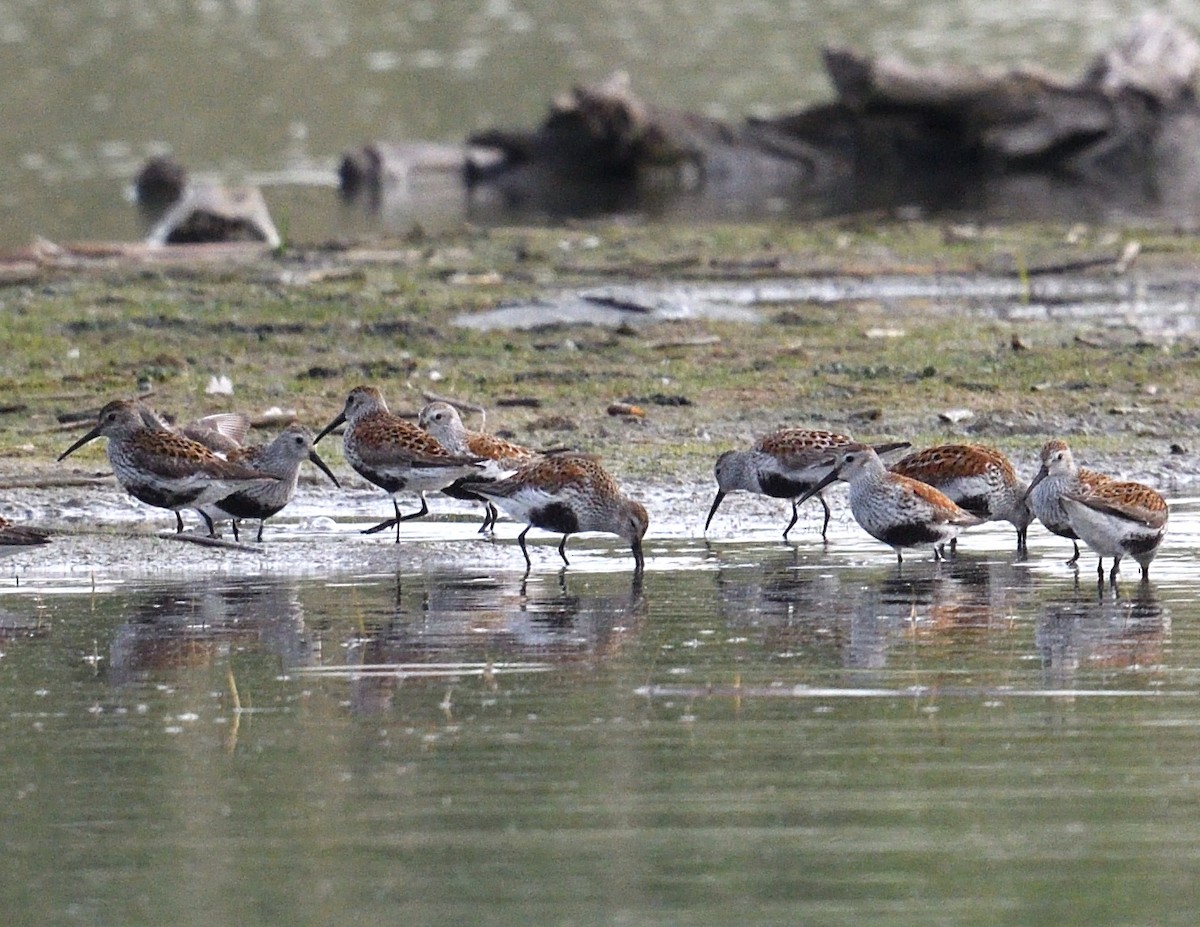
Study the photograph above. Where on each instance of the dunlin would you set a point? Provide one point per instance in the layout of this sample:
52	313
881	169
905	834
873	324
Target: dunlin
281	458
395	454
895	509
442	421
1059	475
162	468
785	464
16	538
978	478
1119	518
568	493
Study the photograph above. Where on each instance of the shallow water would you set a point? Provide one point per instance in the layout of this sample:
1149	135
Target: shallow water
754	731
274	91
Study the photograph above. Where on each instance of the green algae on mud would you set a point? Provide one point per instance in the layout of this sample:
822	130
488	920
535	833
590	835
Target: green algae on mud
297	329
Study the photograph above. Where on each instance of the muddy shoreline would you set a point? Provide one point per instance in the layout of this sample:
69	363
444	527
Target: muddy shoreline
886	330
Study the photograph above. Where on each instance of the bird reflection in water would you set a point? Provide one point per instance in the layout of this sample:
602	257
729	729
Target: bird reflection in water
26	624
444	621
1123	626
180	627
837	620
786	607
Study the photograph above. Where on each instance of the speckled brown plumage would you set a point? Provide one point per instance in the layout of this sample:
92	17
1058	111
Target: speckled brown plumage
162	468
395	454
978	478
568	493
785	464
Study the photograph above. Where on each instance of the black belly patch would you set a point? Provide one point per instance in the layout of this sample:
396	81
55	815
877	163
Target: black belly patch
1141	543
1063	531
386	482
977	506
911	535
780	487
163	499
456	491
242	506
555	517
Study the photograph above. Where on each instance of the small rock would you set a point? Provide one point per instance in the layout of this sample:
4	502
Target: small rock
554	423
219	386
954	416
524	402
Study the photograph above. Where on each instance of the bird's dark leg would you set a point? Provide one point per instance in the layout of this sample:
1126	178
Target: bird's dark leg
212	529
825	523
562	550
792	523
423	510
521	541
261	523
1074	559
178	522
1112	576
235	530
384	525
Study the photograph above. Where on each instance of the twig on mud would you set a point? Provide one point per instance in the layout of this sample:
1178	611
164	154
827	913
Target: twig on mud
205	541
702	342
52	481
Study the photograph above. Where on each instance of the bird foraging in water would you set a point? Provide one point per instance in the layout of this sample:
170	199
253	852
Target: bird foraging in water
1119	518
977	478
165	469
895	509
281	458
395	454
568	493
785	464
1059	475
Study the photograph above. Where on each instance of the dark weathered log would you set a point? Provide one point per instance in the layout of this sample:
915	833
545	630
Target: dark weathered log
1123	138
209	213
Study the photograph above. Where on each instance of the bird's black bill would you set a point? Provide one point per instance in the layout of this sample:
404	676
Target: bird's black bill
341	417
713	511
90	436
315	458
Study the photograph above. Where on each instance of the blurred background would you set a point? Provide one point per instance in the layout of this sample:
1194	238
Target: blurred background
274	91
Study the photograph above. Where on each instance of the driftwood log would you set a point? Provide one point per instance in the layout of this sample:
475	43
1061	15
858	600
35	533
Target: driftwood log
1123	138
180	212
